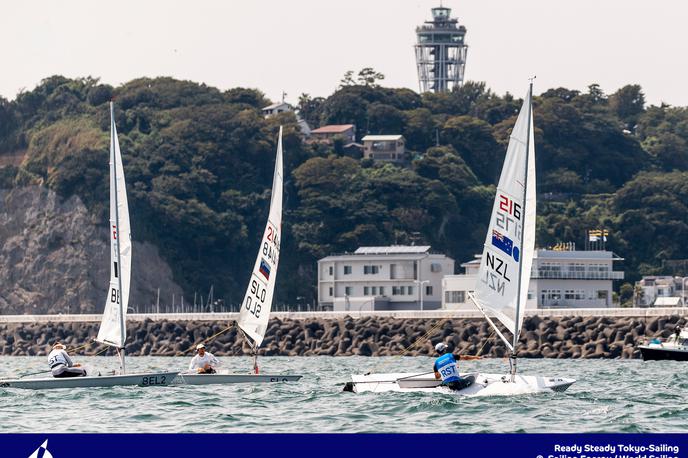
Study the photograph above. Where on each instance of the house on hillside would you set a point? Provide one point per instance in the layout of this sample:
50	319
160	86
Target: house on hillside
284	107
386	148
276	108
327	134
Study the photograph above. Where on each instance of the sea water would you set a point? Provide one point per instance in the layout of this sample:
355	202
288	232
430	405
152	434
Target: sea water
609	396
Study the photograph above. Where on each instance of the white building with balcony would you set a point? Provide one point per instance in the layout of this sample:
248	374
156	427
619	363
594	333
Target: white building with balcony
564	279
383	278
385	148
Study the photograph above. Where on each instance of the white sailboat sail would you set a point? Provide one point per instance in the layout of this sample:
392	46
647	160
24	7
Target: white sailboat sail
501	289
112	328
504	275
255	309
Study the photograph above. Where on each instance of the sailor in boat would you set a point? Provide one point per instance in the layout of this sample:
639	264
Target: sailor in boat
204	362
61	365
447	369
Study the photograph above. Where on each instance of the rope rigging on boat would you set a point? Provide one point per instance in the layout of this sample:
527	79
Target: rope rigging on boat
48	370
492	334
254	350
209	339
417	342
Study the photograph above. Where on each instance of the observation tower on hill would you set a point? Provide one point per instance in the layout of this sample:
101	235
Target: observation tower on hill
440	52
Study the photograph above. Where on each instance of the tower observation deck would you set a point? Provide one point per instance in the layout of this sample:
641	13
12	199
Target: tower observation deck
440	52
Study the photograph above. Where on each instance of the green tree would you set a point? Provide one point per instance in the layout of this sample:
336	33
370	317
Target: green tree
251	97
460	101
565	95
669	150
650	218
587	143
443	163
419	128
310	109
347	79
628	103
596	94
473	139
626	293
384	119
345	107
369	77
97	95
8	125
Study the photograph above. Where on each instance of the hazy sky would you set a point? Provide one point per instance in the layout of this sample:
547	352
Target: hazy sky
307	45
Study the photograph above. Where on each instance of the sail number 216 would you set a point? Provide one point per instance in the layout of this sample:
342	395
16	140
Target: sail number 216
271	245
255	299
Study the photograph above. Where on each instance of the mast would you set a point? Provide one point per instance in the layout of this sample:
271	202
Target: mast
120	351
517	331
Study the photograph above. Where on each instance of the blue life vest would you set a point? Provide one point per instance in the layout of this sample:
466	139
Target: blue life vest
447	367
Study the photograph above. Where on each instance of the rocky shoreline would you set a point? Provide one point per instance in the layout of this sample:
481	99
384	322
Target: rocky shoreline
564	337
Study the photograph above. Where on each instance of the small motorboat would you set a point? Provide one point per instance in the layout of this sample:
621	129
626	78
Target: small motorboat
674	347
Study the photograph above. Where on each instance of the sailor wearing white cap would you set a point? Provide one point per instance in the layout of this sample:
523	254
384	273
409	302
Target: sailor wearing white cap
204	362
61	365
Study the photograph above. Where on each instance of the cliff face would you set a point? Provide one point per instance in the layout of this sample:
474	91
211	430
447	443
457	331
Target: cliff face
54	258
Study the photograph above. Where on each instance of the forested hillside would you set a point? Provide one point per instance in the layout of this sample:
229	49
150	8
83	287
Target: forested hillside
199	161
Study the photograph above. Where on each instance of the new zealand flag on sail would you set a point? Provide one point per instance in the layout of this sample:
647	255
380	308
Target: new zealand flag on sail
505	244
264	269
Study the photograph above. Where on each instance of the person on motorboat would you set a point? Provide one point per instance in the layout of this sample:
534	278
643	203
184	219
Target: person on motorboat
677	333
61	365
204	362
447	369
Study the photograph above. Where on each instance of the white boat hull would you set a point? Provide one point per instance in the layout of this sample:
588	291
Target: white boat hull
485	384
215	379
142	380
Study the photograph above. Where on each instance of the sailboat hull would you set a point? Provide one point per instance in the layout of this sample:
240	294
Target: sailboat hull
143	380
221	379
485	384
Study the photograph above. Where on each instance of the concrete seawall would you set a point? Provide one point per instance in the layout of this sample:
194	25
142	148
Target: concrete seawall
407	314
614	334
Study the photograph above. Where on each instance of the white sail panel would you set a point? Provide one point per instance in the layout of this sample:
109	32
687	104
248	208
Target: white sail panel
504	275
113	328
255	308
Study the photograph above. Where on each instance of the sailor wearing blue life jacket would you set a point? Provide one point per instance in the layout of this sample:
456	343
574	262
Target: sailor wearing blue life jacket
447	369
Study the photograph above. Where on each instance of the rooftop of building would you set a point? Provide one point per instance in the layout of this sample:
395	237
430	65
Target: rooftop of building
659	277
393	251
562	255
276	105
577	254
667	301
382	138
659	280
332	129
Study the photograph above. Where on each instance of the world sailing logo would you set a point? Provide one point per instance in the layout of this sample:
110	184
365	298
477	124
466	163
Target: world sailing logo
42	451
